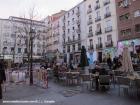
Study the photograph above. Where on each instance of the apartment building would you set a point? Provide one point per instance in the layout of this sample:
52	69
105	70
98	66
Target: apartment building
128	15
101	28
74	35
54	42
15	33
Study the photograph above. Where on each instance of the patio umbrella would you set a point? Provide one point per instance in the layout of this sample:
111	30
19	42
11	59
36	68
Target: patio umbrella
126	61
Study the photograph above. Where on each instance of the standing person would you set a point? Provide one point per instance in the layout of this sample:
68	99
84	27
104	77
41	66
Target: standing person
109	62
2	76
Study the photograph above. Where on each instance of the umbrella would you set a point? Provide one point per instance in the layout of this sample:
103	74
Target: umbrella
127	62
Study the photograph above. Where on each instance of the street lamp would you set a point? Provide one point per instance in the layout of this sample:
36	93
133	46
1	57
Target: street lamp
32	33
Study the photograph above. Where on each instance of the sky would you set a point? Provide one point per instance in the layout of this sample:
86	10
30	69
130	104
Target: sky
43	8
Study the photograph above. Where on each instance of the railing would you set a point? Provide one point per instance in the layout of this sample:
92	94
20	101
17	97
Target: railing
99	46
97	6
108	29
90	34
40	77
97	18
98	32
89	21
106	2
109	44
107	15
89	10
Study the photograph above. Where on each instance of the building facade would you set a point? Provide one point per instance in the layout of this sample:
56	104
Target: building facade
15	33
54	42
128	15
101	28
74	35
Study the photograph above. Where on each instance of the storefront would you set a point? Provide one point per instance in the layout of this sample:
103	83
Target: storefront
133	46
112	52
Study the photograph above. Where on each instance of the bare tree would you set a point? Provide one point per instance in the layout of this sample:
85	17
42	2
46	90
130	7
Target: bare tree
27	33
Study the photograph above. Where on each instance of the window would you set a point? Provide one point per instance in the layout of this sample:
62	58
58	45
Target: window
73	38
68	38
12	49
137	27
72	11
124	17
90	29
68	30
73	28
73	47
99	40
109	37
98	14
79	36
90	17
79	46
137	13
89	6
107	9
19	50
68	23
123	3
91	42
98	28
68	49
108	23
68	14
126	32
25	50
73	20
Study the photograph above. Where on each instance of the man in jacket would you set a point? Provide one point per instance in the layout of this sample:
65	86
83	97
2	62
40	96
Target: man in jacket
2	76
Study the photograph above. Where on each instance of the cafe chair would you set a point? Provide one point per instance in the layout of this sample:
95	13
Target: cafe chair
123	83
104	82
86	81
138	87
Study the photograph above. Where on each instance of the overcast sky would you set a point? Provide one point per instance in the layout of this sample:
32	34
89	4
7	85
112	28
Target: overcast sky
43	7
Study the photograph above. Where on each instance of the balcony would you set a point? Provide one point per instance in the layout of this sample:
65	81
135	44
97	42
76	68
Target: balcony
78	13
99	46
97	6
107	15
90	34
98	32
109	44
108	29
89	22
78	21
97	18
91	47
73	41
89	10
106	2
78	31
63	27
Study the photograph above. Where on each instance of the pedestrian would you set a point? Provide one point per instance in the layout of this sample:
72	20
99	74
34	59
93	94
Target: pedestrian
109	62
2	76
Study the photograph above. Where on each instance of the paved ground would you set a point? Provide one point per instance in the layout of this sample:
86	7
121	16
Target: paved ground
62	96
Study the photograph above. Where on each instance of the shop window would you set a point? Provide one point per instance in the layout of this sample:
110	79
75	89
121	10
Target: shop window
137	28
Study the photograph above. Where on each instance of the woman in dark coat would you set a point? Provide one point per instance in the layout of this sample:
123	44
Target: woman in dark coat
2	76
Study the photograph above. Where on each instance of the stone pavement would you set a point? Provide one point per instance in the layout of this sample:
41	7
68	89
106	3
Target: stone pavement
61	95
